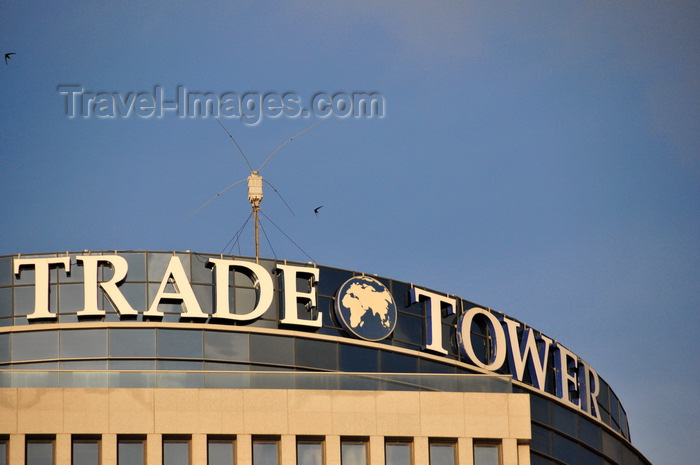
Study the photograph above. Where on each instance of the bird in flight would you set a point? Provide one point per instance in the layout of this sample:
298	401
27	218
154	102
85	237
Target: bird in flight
317	209
8	56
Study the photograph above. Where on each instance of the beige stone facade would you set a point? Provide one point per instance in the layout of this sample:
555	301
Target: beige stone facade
62	414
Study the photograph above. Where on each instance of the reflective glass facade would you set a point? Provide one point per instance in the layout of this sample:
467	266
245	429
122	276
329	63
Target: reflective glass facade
74	345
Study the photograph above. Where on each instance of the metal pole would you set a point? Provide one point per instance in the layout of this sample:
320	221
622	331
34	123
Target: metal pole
257	234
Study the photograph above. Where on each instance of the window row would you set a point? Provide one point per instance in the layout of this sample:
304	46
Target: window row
191	344
221	450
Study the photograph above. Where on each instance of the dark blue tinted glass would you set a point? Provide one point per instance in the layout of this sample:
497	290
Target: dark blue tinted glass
565	449
271	349
358	359
398	363
316	354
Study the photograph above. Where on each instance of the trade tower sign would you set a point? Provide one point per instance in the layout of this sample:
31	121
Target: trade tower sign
363	306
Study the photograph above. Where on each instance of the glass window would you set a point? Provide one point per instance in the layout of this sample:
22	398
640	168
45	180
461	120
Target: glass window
614	408
137	267
358	359
428	366
85	451
245	300
130	451
272	349
603	399
591	458
309	452
316	354
221	451
401	291
265	452
5	271
479	344
176	451
24	300
565	449
331	279
84	343
539	408
590	433
179	343
398	453
612	447
442	453
71	298
624	426
158	263
398	363
39	452
35	345
226	345
135	294
201	273
5	301
409	329
3	452
541	440
132	342
353	453
5	347
325	308
486	454
564	419
173	308
205	297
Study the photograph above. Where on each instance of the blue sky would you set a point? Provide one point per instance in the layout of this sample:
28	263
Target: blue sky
539	158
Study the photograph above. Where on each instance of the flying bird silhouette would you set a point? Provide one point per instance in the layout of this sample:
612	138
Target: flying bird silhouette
8	56
317	209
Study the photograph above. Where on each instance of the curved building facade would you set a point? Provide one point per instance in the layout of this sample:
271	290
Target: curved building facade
187	358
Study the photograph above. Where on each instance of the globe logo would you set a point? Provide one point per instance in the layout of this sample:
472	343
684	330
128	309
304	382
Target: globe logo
366	308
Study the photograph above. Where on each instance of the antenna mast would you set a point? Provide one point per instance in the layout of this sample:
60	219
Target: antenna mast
255	184
255	196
